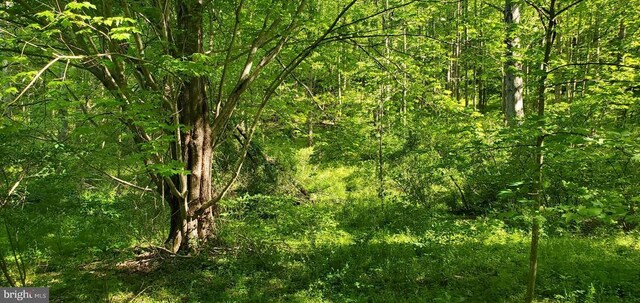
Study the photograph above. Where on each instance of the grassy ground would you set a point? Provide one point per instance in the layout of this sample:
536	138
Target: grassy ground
273	250
343	246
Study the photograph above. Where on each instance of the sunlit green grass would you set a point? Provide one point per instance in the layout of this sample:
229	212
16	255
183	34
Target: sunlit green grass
272	250
341	245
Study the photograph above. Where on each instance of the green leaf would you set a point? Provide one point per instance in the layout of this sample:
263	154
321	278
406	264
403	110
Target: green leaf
516	184
120	36
123	32
589	211
48	15
11	90
79	5
506	193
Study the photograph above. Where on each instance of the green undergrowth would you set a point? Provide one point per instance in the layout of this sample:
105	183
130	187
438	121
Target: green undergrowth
274	249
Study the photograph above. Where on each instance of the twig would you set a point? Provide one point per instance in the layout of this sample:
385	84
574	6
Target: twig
13	188
139	293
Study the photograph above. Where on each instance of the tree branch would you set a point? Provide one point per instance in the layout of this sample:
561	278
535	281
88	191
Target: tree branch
593	63
562	10
269	93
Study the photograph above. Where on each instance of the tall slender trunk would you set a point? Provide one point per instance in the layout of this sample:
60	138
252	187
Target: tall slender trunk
339	69
585	82
513	85
457	51
384	94
572	45
465	42
538	184
405	83
380	116
482	95
558	87
622	33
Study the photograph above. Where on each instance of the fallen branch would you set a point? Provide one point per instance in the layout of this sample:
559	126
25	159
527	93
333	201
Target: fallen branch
13	188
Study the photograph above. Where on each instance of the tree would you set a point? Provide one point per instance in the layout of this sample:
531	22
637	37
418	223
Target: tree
549	17
513	86
177	80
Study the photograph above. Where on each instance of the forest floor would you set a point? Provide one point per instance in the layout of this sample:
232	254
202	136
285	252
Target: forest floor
272	250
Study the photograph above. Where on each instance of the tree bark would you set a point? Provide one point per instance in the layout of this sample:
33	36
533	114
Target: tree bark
513	85
5	270
385	93
188	228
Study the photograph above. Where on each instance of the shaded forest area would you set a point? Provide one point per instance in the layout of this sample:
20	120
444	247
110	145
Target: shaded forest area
321	150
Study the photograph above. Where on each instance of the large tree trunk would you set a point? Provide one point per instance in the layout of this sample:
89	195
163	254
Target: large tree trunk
513	85
184	97
190	225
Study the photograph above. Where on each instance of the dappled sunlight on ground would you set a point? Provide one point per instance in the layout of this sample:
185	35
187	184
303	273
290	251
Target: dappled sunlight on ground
354	252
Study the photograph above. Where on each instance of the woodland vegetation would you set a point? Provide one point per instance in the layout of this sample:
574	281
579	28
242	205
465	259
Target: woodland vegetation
321	150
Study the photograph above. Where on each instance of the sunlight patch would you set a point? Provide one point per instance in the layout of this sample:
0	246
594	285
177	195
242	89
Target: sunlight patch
333	238
501	236
402	238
